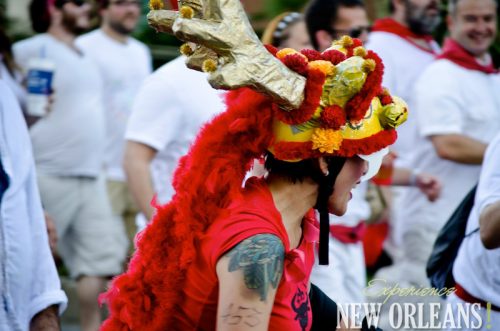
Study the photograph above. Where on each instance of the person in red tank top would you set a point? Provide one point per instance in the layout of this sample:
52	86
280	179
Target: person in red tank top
226	256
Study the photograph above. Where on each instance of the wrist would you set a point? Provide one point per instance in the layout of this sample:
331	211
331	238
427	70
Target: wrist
413	178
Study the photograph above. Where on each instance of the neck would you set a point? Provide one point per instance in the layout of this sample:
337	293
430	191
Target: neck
400	18
293	201
61	34
113	34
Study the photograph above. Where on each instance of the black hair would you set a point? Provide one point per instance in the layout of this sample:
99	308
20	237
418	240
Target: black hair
321	14
294	171
39	15
391	7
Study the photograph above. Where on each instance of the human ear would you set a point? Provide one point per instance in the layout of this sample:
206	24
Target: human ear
323	166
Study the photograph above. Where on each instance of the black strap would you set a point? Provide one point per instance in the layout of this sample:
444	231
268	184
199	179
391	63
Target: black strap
335	165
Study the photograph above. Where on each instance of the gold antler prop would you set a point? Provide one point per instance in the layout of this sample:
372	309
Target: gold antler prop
227	39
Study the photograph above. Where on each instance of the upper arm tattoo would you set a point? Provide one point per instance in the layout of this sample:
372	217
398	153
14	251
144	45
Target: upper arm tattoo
261	259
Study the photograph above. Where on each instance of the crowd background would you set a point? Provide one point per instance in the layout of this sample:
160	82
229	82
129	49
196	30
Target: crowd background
164	47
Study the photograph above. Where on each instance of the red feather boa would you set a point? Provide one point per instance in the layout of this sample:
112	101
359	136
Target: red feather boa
206	181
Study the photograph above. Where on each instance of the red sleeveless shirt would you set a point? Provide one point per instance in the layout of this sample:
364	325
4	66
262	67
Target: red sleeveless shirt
253	214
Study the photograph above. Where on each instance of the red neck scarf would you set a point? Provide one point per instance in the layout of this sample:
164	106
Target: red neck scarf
392	26
454	52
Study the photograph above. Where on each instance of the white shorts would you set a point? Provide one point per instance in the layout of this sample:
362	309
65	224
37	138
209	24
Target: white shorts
91	241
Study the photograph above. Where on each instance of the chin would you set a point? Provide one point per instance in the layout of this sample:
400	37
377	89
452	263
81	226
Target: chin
338	209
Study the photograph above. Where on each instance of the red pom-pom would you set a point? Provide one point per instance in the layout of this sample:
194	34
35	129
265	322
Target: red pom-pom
333	117
312	96
356	108
334	56
311	54
385	100
296	62
271	49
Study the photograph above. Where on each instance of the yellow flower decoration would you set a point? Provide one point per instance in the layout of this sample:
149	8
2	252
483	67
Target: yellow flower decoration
186	50
360	51
209	65
369	65
326	140
324	66
284	52
156	4
186	12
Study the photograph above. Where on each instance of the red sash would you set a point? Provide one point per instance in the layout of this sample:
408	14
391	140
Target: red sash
454	52
390	25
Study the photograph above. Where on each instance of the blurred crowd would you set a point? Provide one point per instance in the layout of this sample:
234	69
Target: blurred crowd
90	138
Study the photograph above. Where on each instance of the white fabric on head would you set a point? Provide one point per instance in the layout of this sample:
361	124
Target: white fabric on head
374	162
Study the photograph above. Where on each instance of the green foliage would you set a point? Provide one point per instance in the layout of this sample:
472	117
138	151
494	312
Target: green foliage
276	7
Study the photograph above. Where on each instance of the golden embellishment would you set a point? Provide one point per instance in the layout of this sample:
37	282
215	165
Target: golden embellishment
346	41
360	51
209	65
368	65
326	140
186	50
156	4
186	12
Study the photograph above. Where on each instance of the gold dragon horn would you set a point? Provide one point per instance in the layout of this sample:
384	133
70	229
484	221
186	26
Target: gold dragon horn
221	28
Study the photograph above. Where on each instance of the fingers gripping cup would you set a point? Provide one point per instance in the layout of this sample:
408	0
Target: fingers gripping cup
39	85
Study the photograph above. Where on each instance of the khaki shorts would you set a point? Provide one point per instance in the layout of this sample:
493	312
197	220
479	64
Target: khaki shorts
91	241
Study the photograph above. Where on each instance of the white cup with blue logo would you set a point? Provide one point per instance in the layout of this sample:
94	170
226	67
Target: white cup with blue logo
39	85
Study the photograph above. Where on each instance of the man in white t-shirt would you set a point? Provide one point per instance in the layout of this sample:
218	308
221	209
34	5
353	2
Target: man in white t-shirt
404	42
68	146
171	106
458	109
30	287
477	266
123	63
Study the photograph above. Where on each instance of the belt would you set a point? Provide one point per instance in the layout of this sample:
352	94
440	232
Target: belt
467	297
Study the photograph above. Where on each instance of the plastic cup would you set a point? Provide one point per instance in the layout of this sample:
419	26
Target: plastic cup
39	85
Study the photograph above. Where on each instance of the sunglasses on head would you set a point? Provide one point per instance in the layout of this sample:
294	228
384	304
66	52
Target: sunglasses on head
353	33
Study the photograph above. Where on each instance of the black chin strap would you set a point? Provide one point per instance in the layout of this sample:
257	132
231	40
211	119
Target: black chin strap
326	185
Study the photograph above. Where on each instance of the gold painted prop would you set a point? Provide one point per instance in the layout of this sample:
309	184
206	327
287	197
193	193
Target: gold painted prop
236	57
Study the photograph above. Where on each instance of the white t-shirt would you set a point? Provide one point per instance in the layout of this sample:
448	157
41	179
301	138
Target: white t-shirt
27	271
69	141
168	112
123	68
404	62
450	100
476	268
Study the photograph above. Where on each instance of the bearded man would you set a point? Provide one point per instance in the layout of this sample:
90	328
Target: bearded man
69	151
124	63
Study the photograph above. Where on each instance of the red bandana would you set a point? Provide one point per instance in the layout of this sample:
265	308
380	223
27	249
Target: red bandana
454	52
392	26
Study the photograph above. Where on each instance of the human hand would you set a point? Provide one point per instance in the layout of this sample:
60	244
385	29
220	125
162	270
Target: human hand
428	185
51	232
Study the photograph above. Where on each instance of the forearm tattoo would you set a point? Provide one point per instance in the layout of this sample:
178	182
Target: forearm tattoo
241	315
261	260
